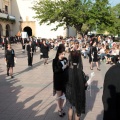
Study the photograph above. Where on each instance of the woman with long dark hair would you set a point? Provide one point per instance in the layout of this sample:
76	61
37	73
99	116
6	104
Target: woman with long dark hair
93	56
75	87
60	76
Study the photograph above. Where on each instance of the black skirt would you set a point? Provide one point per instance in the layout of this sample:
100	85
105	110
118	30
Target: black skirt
10	64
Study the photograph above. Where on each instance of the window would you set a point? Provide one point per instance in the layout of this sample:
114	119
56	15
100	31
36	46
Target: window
6	8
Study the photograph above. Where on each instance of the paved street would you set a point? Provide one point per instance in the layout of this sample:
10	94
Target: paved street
28	96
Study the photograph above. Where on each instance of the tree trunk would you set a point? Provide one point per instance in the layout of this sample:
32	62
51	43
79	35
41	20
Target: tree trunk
78	28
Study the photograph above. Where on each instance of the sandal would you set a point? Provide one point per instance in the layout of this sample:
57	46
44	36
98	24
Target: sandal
91	68
98	69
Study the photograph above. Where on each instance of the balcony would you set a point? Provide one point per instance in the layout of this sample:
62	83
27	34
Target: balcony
7	17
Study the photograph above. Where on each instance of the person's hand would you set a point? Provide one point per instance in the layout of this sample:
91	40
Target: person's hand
64	66
15	60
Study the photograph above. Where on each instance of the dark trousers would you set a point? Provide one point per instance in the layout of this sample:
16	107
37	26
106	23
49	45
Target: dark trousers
30	59
115	59
3	45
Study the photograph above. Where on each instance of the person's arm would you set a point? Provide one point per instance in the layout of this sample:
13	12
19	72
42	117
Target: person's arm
57	67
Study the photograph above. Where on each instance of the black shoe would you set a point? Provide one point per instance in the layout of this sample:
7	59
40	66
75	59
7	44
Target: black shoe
60	113
63	112
12	77
7	74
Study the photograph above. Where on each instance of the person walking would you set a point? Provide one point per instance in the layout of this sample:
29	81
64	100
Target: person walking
10	60
60	68
93	56
30	50
44	51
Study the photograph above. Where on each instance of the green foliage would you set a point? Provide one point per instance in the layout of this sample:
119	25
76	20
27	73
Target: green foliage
115	29
84	15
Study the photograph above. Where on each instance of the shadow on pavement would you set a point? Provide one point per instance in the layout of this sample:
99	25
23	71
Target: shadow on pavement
11	106
31	67
91	97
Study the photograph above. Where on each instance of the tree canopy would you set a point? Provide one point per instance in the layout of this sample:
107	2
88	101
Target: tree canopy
115	29
77	13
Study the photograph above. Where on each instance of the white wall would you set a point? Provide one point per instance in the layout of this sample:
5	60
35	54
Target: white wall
23	8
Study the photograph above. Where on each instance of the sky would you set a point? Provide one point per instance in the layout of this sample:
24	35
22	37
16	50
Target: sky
114	2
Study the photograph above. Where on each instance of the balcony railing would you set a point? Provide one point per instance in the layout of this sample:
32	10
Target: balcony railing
7	17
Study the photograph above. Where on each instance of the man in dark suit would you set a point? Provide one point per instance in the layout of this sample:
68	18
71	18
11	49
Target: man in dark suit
111	94
30	50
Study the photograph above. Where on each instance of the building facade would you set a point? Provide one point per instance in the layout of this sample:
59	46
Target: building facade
6	18
17	16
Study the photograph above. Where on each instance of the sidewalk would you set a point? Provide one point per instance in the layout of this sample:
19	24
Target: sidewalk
28	96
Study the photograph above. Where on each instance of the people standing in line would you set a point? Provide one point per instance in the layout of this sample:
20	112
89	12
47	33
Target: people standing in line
44	51
10	60
75	87
30	51
93	56
111	94
60	73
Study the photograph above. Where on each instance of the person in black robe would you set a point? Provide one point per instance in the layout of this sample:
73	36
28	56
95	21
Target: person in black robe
111	94
23	42
60	73
6	43
30	50
3	42
34	44
93	55
44	51
10	59
75	88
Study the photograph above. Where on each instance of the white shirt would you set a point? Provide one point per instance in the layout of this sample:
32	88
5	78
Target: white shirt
102	51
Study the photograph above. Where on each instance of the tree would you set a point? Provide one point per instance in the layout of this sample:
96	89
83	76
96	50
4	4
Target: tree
73	13
115	29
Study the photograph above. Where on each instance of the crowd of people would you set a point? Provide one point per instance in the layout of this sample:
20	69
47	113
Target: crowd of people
69	78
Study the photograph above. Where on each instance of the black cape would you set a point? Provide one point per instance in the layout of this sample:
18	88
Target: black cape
75	88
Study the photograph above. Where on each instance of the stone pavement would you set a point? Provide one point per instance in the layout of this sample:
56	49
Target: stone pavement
28	96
